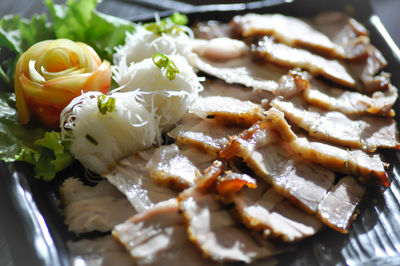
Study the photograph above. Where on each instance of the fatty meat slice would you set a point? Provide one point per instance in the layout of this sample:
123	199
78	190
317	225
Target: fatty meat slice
226	110
73	190
176	167
288	30
220	88
366	132
351	102
268	50
263	209
158	236
99	251
97	208
338	208
213	229
345	32
205	134
211	29
355	162
132	178
302	182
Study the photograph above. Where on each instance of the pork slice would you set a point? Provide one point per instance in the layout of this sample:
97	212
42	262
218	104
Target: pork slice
132	178
220	88
178	168
345	32
73	190
302	182
219	49
256	137
158	236
96	214
369	167
99	251
365	132
268	50
351	102
365	60
226	110
288	30
97	208
204	134
242	71
266	210
211	29
338	207
367	72
237	67
217	234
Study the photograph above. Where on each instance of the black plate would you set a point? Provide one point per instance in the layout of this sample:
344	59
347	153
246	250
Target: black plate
373	239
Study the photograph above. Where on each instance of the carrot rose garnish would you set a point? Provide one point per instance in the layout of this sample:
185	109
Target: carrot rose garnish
51	73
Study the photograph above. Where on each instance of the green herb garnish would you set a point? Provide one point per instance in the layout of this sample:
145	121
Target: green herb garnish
106	104
164	63
170	25
91	139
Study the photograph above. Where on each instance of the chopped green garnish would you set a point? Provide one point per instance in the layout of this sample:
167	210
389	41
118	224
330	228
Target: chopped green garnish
179	19
91	139
43	149
160	60
170	25
164	63
106	104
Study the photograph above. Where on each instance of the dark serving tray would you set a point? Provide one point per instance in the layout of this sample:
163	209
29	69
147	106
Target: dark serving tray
33	224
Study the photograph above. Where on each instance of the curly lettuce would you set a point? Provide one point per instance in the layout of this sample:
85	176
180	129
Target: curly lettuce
34	145
77	20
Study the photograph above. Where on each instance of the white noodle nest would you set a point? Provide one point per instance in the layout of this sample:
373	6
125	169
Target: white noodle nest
168	99
130	128
143	44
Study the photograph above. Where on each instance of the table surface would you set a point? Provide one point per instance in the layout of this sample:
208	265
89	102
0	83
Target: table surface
12	234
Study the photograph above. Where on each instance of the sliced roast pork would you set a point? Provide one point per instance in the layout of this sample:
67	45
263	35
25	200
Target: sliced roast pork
367	72
288	30
345	32
211	29
205	134
265	210
158	236
351	102
220	88
97	208
219	49
303	182
73	189
338	208
241	71
100	251
213	229
132	178
365	132
369	167
268	50
227	110
178	168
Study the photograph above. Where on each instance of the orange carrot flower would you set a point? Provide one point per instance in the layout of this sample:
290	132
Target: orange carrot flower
51	73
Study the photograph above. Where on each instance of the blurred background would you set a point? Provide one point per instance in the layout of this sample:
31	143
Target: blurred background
387	10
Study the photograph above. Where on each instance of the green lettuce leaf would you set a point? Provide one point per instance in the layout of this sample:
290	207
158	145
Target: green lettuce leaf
17	35
80	21
31	144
